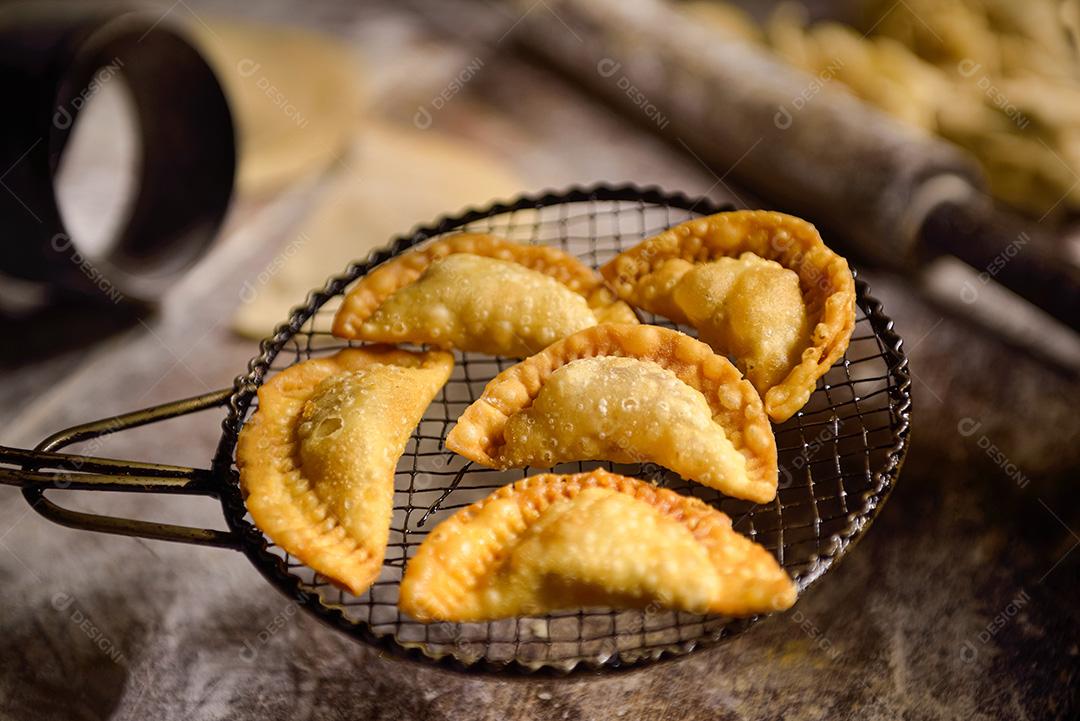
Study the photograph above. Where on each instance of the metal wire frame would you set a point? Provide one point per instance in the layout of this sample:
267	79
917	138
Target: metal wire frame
44	469
839	457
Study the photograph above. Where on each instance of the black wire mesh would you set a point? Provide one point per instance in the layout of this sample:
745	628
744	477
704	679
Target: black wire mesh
838	457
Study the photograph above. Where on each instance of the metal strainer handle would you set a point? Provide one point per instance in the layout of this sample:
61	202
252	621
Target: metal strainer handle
43	469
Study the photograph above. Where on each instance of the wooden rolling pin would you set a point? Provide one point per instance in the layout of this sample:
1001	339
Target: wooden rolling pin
892	193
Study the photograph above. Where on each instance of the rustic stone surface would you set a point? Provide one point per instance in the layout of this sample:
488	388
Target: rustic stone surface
108	627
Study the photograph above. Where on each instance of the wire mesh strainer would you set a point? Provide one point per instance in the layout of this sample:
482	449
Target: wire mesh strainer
839	457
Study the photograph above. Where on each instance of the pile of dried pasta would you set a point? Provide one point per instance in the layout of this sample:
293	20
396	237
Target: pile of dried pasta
997	77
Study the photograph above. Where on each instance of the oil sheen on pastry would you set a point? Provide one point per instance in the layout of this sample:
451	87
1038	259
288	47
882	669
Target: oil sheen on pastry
317	459
630	394
481	293
597	539
709	273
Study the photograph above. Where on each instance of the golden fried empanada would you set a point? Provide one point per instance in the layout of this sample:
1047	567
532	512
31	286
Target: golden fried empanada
554	542
706	273
477	292
626	393
317	459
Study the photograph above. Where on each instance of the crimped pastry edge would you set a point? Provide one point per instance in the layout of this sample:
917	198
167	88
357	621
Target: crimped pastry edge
824	277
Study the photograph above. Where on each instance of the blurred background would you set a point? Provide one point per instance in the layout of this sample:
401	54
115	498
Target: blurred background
151	239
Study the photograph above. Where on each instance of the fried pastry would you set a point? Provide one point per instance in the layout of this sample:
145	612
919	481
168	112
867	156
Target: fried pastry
626	393
317	459
481	293
554	542
734	277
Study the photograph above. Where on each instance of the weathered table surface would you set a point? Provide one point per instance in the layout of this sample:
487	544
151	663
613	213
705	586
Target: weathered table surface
960	603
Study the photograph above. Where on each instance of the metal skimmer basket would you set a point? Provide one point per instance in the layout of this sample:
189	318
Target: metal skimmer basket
839	458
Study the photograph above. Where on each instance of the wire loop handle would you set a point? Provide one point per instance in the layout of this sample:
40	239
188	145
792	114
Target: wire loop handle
43	469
